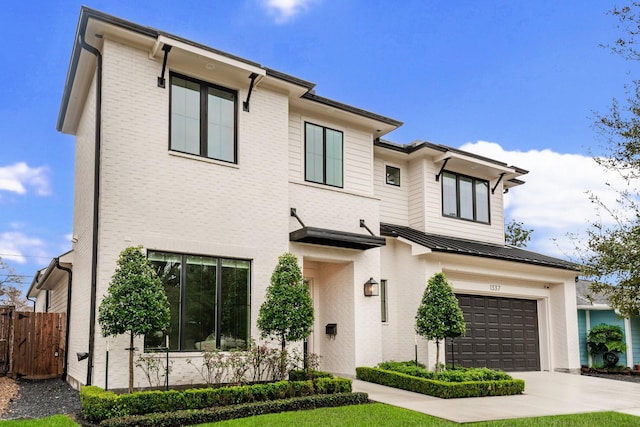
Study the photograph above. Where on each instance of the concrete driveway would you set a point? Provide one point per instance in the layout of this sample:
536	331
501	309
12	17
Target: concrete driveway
546	393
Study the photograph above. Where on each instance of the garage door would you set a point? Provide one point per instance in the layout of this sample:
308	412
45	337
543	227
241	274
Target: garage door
502	333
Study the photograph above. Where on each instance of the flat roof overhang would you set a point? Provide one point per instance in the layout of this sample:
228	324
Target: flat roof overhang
336	238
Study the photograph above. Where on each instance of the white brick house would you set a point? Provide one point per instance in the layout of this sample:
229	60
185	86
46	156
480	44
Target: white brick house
203	158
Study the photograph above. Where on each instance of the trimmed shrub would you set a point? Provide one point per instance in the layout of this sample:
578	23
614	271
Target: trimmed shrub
442	389
459	374
307	374
98	404
210	415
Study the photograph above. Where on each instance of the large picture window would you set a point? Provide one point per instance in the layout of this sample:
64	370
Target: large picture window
203	119
323	155
209	300
465	197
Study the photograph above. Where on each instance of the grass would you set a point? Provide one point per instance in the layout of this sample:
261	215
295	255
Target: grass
54	421
384	415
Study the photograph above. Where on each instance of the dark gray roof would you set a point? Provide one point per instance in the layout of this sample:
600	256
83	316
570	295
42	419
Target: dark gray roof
86	13
585	296
454	245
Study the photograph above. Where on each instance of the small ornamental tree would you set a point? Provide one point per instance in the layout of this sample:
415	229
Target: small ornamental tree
605	338
136	302
287	312
439	315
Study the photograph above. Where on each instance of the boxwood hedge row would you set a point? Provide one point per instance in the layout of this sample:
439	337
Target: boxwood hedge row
98	404
442	389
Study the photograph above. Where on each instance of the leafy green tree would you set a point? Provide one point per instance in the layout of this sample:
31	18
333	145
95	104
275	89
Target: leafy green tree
516	235
135	303
611	255
439	315
287	312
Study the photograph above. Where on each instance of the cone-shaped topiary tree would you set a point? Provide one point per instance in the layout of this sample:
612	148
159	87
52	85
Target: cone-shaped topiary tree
287	312
439	315
136	302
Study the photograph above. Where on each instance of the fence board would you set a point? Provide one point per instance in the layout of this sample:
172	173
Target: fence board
6	315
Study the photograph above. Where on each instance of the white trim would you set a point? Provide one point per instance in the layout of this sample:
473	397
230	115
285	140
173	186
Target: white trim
628	341
587	319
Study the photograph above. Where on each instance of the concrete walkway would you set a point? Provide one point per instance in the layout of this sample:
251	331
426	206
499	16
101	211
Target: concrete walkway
546	393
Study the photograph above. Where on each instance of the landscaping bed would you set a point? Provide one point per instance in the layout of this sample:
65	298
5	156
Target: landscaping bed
449	384
212	404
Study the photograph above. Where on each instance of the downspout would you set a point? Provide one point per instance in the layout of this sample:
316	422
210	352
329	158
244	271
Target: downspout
67	326
96	198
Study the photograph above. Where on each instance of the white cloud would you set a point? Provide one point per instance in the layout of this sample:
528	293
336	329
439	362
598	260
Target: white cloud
17	177
15	244
554	200
284	10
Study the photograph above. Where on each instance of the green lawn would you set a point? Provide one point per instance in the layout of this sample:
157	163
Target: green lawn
378	414
54	421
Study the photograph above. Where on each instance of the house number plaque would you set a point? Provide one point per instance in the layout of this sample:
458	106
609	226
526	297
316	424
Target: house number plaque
495	288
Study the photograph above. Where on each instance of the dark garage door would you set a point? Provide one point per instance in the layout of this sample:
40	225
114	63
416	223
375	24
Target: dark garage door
502	333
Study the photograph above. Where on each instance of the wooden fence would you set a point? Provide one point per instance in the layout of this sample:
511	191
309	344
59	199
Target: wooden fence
34	343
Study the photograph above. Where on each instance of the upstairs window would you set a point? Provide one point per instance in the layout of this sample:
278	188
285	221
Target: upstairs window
203	119
323	155
393	176
465	197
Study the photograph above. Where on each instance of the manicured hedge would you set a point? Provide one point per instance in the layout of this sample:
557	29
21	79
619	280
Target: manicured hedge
458	374
98	404
308	374
209	415
442	389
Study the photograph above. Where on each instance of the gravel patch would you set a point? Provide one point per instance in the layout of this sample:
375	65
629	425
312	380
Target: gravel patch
617	377
42	398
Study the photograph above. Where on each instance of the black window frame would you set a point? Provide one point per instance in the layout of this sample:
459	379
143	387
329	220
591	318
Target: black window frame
324	155
219	301
204	87
388	175
474	181
384	301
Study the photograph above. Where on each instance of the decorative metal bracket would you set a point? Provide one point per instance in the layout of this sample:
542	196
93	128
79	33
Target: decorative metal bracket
295	215
362	224
442	169
161	81
245	104
493	190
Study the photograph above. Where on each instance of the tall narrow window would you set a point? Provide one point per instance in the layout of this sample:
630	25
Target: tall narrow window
323	155
384	308
209	301
465	197
203	119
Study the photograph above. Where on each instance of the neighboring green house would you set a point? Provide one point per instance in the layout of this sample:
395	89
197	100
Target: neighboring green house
593	309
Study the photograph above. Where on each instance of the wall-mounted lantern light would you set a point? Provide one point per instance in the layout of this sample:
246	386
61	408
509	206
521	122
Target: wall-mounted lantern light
371	288
82	355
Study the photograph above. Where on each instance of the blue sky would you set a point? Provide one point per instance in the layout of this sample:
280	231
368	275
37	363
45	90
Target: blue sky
514	80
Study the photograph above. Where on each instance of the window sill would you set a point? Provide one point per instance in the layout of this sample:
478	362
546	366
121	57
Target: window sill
203	159
334	189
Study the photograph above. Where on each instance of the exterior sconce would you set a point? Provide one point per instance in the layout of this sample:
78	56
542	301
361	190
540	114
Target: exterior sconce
82	355
371	288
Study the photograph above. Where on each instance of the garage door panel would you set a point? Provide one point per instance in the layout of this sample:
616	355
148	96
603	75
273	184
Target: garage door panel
502	333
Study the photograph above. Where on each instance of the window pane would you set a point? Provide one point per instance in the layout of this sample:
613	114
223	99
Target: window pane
482	201
449	205
314	163
234	328
221	124
383	300
392	175
466	198
200	303
334	157
167	267
185	116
